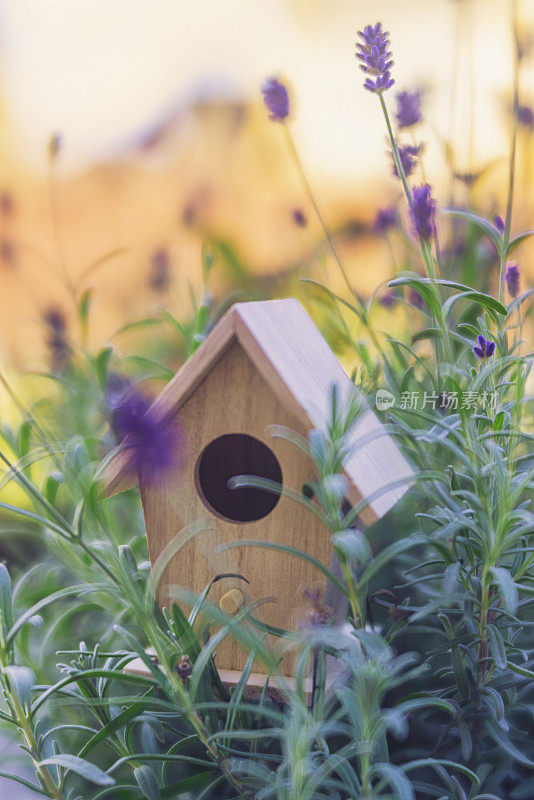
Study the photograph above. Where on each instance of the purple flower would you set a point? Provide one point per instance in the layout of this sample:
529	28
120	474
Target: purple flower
385	219
56	338
512	279
388	299
499	223
276	99
55	144
299	217
485	348
159	277
525	117
408	157
375	58
155	447
408	109
423	211
6	203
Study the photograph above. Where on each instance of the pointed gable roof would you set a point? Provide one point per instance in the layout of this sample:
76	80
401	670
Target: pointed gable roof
296	362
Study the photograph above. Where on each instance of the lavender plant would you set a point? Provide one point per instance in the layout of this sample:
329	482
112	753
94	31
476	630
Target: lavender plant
431	644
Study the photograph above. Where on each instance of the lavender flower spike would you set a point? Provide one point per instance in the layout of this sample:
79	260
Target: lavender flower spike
423	211
408	109
276	99
485	348
512	279
375	58
408	155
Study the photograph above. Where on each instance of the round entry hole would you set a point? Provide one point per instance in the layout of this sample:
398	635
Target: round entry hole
231	455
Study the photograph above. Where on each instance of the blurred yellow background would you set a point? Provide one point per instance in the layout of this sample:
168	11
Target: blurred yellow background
162	141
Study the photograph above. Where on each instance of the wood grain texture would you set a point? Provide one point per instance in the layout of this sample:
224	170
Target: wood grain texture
300	369
234	397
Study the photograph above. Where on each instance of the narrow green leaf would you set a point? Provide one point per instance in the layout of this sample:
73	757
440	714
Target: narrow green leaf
396	779
386	555
21	682
518	240
68	591
6	602
483	224
498	649
290	551
11	777
507	588
101	366
146	780
81	767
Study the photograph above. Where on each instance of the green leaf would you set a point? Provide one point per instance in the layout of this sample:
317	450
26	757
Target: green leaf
518	240
102	360
11	777
68	591
460	672
151	368
498	649
290	551
386	555
146	780
52	484
396	779
81	767
6	601
84	306
353	544
423	286
115	724
24	438
208	260
171	549
487	301
504	743
507	588
483	224
127	560
21	682
523	671
450	582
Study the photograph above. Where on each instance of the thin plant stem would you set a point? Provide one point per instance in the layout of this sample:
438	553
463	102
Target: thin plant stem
426	250
513	148
361	310
302	174
20	718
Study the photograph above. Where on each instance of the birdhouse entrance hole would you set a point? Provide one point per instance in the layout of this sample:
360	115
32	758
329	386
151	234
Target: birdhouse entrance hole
226	457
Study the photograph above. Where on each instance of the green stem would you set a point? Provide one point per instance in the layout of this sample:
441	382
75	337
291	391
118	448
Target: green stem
20	718
361	310
483	621
352	591
513	149
426	251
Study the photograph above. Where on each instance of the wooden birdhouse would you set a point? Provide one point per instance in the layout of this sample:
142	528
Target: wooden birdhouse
264	363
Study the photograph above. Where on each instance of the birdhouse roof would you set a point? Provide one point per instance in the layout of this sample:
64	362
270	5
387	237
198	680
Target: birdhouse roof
296	362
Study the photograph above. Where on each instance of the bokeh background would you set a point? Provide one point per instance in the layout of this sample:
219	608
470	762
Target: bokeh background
133	130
